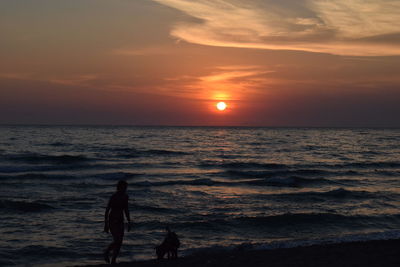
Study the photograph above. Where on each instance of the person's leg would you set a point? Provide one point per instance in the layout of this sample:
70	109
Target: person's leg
106	253
118	235
117	247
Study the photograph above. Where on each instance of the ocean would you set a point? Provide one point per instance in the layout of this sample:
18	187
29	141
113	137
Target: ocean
218	188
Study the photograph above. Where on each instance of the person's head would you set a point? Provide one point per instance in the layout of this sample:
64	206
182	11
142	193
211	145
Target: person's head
121	186
167	229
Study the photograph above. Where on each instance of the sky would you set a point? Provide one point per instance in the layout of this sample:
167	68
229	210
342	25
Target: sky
313	63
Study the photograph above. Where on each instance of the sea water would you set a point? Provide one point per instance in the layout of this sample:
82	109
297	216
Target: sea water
216	187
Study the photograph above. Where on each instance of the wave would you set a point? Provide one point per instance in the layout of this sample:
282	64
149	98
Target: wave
58	144
36	168
116	175
354	165
133	153
317	168
177	182
243	165
58	177
164	152
69	167
387	173
299	220
289	218
293	181
24	206
336	172
153	209
124	152
339	193
39	158
284	173
373	236
36	176
379	164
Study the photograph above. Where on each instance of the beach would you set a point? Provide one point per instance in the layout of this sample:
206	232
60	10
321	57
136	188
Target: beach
382	253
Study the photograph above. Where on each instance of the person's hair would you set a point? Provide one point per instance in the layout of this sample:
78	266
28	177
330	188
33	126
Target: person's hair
122	185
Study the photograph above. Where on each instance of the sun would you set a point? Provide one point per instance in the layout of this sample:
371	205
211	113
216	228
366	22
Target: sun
221	106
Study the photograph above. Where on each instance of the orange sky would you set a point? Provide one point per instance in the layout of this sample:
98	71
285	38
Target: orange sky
168	62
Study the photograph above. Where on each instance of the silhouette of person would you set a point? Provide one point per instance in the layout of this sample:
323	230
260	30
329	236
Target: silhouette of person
173	241
114	220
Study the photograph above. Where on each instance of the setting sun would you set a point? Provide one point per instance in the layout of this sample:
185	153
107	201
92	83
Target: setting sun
221	106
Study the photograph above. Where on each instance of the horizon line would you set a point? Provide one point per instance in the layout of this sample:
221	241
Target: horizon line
188	126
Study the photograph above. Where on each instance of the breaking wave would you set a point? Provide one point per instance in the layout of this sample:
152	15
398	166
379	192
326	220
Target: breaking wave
24	206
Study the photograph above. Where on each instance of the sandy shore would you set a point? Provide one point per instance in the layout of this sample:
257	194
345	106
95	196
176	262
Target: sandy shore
372	253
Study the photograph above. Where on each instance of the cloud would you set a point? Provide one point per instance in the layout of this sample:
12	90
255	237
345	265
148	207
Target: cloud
359	18
342	27
229	73
79	80
228	82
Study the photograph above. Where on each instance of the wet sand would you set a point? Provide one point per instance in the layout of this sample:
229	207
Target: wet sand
384	253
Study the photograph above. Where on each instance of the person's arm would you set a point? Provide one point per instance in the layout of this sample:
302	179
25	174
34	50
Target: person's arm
126	210
106	224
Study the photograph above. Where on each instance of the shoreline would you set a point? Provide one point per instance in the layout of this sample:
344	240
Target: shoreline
376	253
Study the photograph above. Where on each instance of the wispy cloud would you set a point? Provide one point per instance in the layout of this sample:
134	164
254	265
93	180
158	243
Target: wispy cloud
229	82
343	27
82	80
359	18
79	80
227	74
